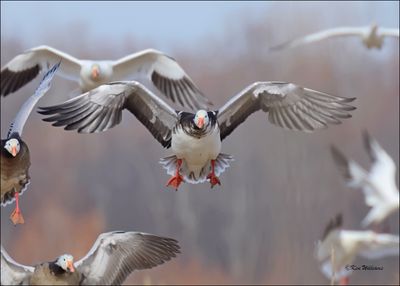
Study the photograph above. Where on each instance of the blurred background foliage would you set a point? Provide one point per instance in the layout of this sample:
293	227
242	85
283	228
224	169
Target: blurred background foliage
262	224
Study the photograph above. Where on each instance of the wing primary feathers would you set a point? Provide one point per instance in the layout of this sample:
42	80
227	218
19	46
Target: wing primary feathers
342	162
12	81
368	143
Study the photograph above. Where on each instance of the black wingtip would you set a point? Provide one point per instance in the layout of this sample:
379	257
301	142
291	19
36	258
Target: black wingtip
276	48
368	141
45	111
341	161
333	224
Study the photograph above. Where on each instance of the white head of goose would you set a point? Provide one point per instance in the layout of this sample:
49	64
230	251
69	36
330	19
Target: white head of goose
346	245
156	69
195	139
111	259
15	159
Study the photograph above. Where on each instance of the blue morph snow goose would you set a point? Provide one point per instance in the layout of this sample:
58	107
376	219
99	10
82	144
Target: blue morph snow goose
15	158
153	67
111	259
195	138
372	36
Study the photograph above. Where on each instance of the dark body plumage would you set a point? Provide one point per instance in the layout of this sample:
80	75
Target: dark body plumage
14	170
49	273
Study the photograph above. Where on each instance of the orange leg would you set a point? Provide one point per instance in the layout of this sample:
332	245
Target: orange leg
344	281
176	180
213	179
16	216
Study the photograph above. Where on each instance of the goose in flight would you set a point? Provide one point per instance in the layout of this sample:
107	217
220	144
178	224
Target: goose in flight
346	245
372	36
195	138
155	68
111	259
378	184
15	158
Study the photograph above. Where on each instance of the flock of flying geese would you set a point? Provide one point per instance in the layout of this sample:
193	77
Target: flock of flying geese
139	83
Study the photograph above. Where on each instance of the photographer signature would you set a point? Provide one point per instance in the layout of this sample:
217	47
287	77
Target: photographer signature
354	267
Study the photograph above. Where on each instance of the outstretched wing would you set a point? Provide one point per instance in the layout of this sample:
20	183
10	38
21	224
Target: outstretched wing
165	74
19	122
101	109
288	105
322	35
389	32
25	67
13	273
117	254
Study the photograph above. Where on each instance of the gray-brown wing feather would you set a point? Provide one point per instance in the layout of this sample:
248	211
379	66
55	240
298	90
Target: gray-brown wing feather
288	106
101	109
115	255
159	121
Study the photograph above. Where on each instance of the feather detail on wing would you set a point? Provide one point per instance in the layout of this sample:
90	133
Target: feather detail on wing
101	109
288	105
116	254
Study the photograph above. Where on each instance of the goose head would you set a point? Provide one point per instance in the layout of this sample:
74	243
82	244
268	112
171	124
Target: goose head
201	119
95	72
66	262
12	146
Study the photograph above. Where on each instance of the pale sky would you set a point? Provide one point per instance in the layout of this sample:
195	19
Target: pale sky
167	26
163	23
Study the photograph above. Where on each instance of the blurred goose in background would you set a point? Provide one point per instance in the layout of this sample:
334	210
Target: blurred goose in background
15	159
196	138
378	185
346	245
111	259
153	67
372	36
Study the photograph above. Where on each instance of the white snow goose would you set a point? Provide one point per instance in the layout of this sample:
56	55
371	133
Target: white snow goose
153	67
196	138
372	36
378	184
111	259
15	158
346	245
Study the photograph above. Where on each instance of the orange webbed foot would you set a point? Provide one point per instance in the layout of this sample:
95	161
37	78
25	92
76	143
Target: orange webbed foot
16	217
175	181
214	180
